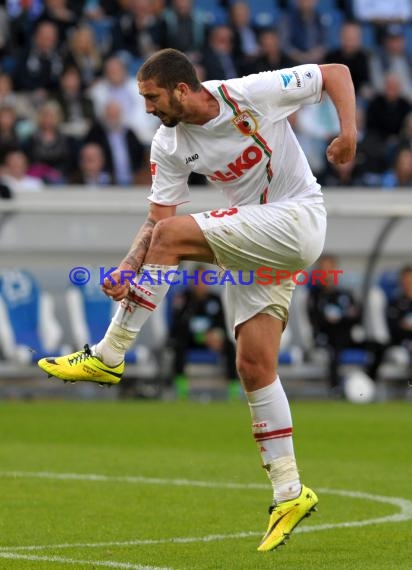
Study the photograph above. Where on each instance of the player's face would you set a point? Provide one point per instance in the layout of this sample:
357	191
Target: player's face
162	103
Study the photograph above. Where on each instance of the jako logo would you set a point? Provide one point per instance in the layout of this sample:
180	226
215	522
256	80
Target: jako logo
191	158
251	156
286	79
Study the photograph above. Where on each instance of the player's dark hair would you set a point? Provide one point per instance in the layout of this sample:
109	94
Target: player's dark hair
168	67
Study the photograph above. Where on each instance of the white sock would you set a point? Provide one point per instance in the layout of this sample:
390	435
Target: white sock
272	430
133	312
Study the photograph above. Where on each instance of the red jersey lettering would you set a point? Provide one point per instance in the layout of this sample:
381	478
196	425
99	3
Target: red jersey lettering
251	156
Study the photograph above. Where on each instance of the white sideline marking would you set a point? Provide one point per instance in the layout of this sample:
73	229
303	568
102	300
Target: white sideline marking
58	559
130	479
404	514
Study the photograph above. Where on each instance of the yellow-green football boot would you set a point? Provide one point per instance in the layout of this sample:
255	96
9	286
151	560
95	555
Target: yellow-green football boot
285	516
81	366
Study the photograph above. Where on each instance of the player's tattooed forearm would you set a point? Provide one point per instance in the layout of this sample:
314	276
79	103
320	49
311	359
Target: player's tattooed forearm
138	251
131	259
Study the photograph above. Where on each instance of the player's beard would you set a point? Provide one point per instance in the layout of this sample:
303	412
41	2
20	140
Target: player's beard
174	115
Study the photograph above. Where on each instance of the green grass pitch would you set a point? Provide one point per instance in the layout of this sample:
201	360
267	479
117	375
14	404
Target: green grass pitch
89	485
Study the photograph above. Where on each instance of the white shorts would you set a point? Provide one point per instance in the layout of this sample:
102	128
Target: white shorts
284	236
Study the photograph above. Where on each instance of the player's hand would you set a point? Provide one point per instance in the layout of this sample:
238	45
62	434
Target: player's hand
342	149
118	285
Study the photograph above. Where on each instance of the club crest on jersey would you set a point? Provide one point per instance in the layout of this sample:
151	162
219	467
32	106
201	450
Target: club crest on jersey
246	123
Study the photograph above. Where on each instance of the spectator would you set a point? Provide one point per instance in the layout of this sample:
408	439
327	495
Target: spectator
124	154
399	312
7	48
183	28
394	58
9	139
368	166
245	38
14	173
158	6
381	10
406	133
198	321
370	159
137	30
218	58
58	13
352	54
335	317
22	16
9	98
49	150
77	6
41	66
270	55
346	175
77	108
386	113
84	54
98	10
100	15
116	85
304	33
401	174
91	167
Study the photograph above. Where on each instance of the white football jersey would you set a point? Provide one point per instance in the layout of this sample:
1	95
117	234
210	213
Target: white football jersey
249	150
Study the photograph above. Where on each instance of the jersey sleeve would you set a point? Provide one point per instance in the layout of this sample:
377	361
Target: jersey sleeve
282	92
169	179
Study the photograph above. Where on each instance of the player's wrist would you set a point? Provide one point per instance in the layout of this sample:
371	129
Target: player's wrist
129	264
349	133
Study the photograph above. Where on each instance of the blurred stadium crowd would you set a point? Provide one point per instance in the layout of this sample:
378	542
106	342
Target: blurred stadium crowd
70	111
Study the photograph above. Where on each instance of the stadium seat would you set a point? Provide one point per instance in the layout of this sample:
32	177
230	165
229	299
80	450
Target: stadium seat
368	36
388	281
302	332
198	356
354	356
264	13
102	30
323	6
29	329
333	21
289	353
331	17
213	12
408	34
326	6
202	356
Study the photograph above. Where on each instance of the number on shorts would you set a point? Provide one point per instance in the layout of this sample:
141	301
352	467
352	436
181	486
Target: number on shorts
221	213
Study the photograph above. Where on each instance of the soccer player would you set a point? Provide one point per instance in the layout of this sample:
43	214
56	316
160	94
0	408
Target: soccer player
236	133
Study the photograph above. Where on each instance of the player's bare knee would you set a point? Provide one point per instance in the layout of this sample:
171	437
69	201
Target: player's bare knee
162	235
254	371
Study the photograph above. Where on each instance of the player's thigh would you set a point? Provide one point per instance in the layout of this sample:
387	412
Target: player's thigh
183	236
242	302
284	235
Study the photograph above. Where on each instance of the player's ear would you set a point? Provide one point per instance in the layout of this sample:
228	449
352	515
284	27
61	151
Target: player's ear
182	89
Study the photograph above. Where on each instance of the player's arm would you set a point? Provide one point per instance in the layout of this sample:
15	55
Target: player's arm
137	252
337	82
